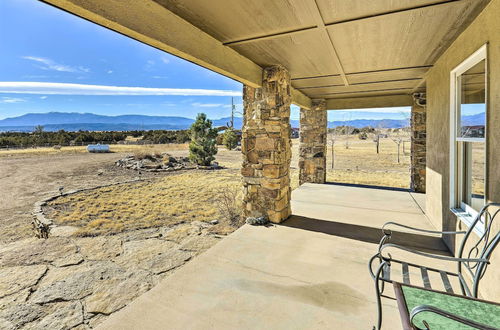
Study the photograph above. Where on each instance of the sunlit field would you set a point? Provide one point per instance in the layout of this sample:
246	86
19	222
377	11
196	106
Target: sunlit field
166	201
116	148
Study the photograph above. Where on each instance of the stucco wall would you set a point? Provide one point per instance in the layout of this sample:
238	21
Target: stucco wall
485	29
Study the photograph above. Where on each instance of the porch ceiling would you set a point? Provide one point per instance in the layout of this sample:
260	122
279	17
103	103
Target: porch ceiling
334	49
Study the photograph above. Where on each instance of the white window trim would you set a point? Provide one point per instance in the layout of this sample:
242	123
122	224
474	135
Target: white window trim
463	212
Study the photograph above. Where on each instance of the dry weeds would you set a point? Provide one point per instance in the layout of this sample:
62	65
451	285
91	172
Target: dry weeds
169	200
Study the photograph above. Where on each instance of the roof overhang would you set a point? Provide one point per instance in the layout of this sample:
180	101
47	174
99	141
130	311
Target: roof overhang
354	53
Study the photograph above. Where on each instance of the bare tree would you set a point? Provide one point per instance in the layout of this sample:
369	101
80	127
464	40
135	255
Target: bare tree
376	139
333	137
400	135
398	140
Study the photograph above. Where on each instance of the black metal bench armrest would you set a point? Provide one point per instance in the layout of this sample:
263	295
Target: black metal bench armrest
387	224
425	254
431	309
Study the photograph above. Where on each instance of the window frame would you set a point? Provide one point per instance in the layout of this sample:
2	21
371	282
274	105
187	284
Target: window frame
462	210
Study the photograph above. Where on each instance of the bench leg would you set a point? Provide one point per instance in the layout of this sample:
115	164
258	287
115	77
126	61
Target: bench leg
378	291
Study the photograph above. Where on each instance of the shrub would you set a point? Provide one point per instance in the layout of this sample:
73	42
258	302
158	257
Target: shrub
230	139
228	204
202	148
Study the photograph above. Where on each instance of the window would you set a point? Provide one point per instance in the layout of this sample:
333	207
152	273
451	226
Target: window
468	133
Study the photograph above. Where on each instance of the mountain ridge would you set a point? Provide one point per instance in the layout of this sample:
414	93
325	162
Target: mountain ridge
74	121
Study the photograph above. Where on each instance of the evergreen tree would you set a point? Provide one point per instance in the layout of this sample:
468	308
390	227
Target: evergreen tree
230	139
202	147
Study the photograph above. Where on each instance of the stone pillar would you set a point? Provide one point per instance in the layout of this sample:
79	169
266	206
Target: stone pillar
418	147
266	147
313	135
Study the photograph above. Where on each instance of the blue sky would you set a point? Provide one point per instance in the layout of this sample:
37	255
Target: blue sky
40	44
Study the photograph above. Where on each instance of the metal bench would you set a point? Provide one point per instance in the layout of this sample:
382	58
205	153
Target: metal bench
476	248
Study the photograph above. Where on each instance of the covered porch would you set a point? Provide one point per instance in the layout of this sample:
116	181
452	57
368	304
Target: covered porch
309	268
308	273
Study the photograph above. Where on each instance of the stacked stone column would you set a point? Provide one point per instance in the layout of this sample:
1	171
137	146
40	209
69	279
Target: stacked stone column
418	148
266	147
313	136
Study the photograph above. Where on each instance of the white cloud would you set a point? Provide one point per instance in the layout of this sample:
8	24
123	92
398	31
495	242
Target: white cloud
11	100
48	64
45	88
110	71
165	59
207	105
159	77
43	97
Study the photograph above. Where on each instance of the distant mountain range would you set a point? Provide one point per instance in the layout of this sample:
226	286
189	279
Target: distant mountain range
72	121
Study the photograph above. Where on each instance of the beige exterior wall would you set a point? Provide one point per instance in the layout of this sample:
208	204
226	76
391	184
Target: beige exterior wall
485	29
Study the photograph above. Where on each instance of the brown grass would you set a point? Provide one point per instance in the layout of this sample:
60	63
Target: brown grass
118	148
209	195
165	201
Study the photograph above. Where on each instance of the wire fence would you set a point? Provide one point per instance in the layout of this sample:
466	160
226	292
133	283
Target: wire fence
74	144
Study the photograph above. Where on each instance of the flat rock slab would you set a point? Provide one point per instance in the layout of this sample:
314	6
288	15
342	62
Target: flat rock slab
37	251
62	316
154	255
75	282
199	243
14	279
99	248
20	314
114	293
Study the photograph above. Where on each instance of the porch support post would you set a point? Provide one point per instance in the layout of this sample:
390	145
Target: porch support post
418	144
313	134
266	146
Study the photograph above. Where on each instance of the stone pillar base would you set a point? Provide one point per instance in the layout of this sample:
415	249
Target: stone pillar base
313	135
266	147
418	148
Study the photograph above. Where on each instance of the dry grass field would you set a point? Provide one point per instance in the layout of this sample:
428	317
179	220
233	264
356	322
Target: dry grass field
170	200
360	163
114	148
192	195
32	174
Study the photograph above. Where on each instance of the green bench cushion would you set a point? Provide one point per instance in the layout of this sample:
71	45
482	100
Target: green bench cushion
479	311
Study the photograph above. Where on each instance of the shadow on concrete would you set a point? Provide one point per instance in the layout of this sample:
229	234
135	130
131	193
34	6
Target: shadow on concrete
425	243
367	186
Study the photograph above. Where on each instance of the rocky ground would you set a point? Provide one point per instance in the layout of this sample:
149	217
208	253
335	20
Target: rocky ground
161	162
75	283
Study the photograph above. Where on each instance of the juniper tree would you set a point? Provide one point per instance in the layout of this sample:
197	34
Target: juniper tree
230	139
202	147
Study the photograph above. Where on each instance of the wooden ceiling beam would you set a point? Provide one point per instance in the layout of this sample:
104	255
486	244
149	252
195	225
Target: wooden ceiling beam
364	72
321	25
362	83
386	101
325	34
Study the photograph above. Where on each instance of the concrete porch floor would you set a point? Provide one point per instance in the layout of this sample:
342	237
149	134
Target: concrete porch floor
307	273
